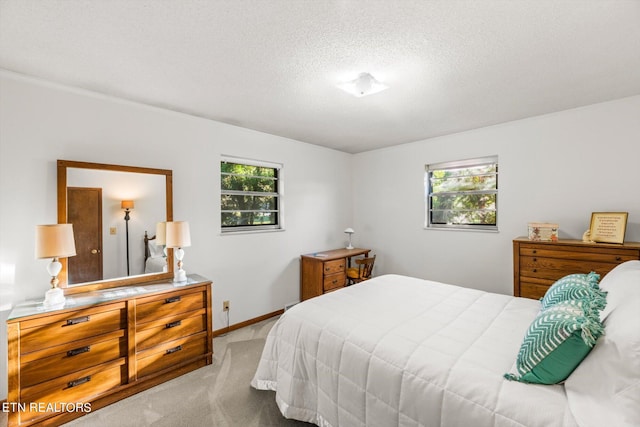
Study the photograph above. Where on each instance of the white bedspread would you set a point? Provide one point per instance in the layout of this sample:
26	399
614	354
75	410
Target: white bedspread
400	351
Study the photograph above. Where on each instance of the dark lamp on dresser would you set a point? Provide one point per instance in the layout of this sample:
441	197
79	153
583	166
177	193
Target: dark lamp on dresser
54	241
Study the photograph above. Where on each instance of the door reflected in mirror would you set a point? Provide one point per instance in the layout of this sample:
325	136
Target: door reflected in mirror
111	207
84	210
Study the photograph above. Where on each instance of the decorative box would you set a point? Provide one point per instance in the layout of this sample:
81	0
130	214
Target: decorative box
543	231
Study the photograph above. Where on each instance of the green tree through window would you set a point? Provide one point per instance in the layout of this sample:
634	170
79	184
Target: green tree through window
250	196
462	194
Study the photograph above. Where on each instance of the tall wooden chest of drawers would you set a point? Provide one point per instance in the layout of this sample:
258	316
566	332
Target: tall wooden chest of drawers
537	265
104	346
325	271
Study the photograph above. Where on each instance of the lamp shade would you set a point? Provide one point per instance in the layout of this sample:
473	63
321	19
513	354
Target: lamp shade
161	233
126	204
177	234
55	241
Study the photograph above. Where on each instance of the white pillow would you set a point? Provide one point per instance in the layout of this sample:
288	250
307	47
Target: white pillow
621	283
605	389
155	250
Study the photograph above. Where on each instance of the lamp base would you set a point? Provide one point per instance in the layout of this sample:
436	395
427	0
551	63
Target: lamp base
350	246
180	276
54	298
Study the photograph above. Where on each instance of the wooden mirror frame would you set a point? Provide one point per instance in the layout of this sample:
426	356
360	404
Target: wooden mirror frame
63	165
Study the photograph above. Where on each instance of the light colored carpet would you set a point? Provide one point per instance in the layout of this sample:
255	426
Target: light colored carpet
217	395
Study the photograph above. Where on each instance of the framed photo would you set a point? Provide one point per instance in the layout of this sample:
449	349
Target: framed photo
608	227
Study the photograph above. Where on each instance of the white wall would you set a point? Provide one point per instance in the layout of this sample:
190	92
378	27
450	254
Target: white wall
258	273
554	168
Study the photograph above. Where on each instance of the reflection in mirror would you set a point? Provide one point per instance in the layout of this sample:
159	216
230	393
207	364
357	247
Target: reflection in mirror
94	207
111	208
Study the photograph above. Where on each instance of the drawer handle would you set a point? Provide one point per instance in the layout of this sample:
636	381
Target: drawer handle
335	281
535	260
77	320
535	251
618	258
79	381
173	324
78	351
327	269
171	299
535	270
174	349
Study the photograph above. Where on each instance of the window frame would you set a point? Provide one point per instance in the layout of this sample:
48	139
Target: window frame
457	164
279	195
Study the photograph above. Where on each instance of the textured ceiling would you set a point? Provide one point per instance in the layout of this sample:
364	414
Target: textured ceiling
272	65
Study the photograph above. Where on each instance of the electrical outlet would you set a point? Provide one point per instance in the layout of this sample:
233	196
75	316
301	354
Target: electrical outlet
225	305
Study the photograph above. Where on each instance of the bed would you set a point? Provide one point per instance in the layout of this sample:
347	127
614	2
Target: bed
402	351
155	260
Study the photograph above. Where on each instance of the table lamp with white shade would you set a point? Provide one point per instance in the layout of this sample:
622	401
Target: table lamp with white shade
349	231
177	236
54	241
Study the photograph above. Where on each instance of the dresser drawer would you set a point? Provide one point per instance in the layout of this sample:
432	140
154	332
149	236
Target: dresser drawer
170	328
334	281
556	268
612	255
52	362
79	387
71	326
156	307
333	267
170	354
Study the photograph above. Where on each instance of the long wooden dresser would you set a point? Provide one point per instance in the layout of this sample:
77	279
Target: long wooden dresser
103	346
537	265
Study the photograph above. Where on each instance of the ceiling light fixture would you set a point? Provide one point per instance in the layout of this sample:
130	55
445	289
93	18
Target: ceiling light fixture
364	85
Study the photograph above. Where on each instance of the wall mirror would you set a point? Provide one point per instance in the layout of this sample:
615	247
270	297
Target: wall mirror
114	211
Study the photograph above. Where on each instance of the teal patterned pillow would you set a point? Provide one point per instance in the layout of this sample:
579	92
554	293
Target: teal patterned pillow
575	286
557	341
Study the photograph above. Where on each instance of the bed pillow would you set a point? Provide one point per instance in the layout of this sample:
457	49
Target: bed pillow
575	287
605	388
155	250
620	284
557	340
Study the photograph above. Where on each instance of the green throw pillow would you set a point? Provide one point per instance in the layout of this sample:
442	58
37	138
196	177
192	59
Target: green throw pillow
557	341
573	287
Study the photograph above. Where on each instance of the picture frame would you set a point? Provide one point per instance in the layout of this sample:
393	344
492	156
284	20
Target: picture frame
608	227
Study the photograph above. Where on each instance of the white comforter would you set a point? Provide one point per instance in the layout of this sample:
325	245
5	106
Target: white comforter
400	351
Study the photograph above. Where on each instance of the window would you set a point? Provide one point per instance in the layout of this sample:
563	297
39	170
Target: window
462	194
251	195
